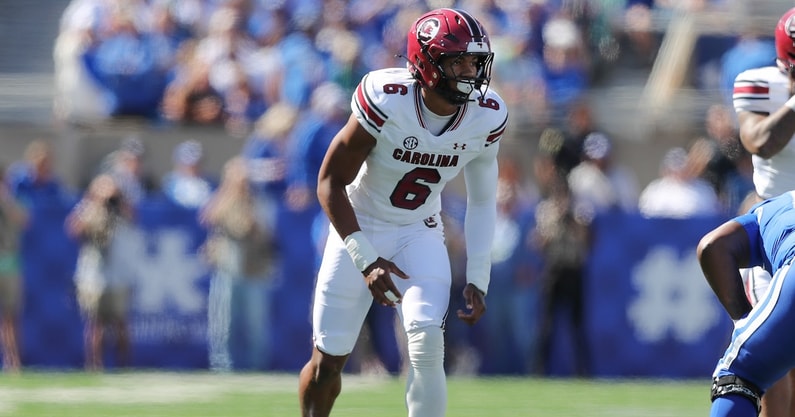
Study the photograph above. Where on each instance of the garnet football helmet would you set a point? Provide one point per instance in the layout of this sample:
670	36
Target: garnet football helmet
785	42
443	33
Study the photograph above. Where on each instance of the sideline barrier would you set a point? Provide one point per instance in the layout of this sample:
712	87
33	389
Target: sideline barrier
649	309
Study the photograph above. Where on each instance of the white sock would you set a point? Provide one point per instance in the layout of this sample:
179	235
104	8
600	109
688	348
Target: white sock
426	389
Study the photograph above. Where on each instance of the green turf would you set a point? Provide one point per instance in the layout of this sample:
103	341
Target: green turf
156	394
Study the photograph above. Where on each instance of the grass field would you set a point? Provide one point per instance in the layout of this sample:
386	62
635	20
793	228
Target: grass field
158	394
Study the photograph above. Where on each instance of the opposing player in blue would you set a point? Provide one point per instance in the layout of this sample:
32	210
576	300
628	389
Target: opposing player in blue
412	131
765	106
762	347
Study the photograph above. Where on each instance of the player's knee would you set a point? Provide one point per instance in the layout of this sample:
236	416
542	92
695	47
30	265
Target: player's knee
327	366
426	347
734	385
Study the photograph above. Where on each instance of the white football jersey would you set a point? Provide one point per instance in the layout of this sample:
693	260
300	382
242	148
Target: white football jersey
765	90
402	179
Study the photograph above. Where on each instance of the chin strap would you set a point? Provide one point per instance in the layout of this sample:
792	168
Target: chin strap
453	96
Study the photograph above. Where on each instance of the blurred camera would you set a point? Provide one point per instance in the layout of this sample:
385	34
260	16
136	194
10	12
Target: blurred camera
113	203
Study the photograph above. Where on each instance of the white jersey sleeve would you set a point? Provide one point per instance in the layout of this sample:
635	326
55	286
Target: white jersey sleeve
402	179
765	90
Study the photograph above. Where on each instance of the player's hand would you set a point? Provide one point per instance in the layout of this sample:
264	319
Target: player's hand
475	303
379	281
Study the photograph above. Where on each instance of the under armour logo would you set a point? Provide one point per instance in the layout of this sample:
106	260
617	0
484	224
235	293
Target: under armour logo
457	146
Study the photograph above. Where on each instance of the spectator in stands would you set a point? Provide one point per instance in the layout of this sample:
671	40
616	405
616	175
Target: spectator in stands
563	238
266	69
124	64
13	218
166	37
242	252
750	51
225	46
98	221
302	67
343	48
189	97
579	124
599	184
266	151
519	73
677	193
327	114
33	180
233	65
566	65
47	254
329	110
244	104
125	166
642	40
186	184
721	159
78	96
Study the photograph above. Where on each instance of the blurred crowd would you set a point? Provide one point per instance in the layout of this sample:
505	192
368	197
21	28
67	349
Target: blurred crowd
280	74
228	61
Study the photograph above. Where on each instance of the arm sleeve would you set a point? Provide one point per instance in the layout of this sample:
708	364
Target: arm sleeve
481	214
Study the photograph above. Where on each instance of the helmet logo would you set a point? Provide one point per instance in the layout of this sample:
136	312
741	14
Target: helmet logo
427	30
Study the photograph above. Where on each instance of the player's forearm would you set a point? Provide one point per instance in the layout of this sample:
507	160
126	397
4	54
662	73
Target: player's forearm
730	292
770	135
334	201
720	264
479	234
481	216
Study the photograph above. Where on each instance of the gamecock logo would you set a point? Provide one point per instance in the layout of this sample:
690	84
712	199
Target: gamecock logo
427	30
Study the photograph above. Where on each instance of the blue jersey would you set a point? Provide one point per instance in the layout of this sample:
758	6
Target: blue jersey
762	348
769	225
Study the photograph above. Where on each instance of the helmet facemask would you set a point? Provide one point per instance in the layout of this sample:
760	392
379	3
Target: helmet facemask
458	89
787	66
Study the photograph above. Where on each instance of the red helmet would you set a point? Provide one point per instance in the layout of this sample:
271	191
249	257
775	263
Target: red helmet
785	41
443	33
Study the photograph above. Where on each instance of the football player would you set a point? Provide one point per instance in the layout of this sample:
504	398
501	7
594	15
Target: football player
762	347
412	130
765	106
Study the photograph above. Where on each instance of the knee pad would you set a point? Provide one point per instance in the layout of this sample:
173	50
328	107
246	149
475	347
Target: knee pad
732	384
426	347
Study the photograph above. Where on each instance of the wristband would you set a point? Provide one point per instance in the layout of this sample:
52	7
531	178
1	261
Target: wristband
361	250
790	103
478	272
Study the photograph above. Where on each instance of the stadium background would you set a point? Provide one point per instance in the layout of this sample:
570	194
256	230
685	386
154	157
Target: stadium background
647	110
